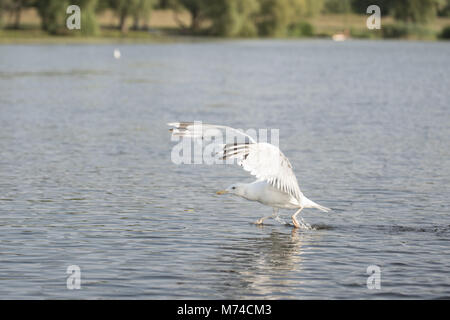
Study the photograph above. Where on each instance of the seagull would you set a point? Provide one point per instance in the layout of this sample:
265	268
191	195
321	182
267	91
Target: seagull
276	185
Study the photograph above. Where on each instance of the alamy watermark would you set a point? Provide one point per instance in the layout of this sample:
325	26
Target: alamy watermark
198	144
74	20
374	20
374	279
74	279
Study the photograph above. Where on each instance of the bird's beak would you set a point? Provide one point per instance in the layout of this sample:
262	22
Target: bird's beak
221	192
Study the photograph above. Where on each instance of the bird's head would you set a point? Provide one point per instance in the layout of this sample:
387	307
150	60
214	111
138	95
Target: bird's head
233	189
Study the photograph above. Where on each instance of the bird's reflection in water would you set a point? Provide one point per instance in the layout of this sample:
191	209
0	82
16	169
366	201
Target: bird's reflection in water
266	266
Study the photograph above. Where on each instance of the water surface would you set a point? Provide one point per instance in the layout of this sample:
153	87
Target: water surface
86	177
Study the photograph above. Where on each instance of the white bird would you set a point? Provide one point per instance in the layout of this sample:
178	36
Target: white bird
116	53
276	185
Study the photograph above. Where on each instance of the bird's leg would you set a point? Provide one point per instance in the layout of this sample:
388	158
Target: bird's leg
261	220
274	215
294	218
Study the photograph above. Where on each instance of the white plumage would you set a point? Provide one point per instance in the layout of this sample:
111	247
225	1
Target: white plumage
276	184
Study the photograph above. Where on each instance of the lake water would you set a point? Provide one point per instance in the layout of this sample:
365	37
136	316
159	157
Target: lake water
86	177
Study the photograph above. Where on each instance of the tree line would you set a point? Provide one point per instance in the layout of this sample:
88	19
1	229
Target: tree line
228	18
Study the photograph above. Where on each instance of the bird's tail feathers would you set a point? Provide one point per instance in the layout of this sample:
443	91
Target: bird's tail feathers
322	208
312	204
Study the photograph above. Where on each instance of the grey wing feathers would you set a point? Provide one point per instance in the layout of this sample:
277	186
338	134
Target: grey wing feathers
202	130
263	160
266	162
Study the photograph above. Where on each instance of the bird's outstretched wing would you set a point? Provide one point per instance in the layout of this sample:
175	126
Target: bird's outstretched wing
266	162
263	160
203	130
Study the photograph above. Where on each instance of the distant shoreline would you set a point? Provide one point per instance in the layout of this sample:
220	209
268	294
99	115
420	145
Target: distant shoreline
162	28
111	41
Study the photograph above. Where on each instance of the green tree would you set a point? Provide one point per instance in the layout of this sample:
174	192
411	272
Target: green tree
122	9
89	25
360	6
141	12
415	11
102	5
197	9
337	6
1	13
314	7
232	18
14	9
443	9
137	9
53	15
162	4
278	15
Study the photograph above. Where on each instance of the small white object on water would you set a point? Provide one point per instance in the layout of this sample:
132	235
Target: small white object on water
117	53
339	37
276	185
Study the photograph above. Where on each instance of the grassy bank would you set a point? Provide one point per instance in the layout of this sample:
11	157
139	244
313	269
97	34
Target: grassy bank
106	36
327	25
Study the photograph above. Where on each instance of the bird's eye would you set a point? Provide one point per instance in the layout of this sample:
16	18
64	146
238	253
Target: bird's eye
233	188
